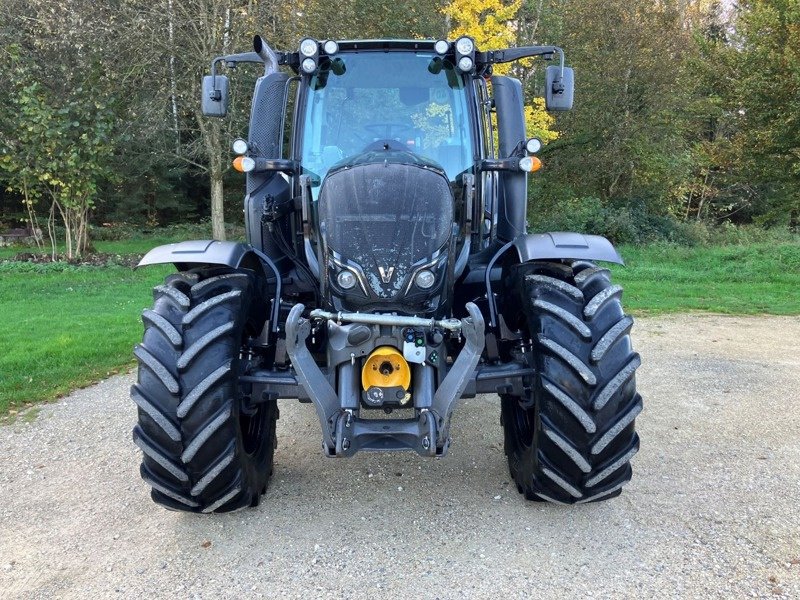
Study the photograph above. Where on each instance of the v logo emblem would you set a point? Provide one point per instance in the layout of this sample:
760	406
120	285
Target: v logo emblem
386	273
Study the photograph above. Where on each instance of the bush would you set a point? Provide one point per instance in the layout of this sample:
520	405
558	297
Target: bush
182	231
633	224
588	215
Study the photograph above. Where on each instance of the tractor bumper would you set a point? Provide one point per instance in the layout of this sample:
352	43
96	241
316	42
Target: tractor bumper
344	433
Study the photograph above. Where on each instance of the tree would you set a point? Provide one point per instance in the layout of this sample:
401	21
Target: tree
626	139
369	19
489	22
61	114
60	147
768	94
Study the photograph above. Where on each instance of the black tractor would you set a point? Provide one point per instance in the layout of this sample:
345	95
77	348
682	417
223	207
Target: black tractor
387	274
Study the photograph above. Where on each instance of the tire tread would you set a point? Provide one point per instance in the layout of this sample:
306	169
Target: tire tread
193	457
572	438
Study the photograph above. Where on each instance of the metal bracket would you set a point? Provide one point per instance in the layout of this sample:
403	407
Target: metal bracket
446	396
311	377
354	434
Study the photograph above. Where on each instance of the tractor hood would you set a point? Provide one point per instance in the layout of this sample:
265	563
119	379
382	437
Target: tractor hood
385	215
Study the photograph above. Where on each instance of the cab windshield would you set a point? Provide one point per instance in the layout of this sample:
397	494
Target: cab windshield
404	101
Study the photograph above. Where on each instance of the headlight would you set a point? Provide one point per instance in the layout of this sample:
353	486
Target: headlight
441	47
465	63
465	45
346	279
424	279
309	65
308	47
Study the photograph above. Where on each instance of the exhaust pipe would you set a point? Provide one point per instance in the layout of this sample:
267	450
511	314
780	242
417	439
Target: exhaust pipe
267	54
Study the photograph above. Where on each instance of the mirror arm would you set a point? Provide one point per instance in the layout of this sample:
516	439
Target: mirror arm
269	57
216	93
284	165
499	164
511	54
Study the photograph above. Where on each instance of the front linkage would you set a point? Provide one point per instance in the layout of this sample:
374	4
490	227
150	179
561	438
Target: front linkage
344	433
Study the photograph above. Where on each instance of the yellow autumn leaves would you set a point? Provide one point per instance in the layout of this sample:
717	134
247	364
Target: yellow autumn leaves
492	24
489	22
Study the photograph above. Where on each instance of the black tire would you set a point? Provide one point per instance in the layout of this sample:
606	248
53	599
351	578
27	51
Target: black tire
571	438
203	449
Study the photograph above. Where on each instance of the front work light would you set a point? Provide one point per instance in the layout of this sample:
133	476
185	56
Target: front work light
309	47
309	65
441	47
330	47
240	146
465	45
533	145
465	54
465	63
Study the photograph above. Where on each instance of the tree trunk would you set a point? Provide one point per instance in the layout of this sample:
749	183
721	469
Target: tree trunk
173	80
212	136
51	231
68	229
32	218
217	213
84	243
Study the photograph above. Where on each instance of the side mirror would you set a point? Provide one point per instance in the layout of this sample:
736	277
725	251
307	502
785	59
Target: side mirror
215	96
558	88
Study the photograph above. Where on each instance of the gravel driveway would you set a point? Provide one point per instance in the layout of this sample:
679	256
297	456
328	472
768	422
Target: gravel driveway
713	509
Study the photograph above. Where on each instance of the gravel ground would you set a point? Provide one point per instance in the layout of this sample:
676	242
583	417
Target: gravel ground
713	509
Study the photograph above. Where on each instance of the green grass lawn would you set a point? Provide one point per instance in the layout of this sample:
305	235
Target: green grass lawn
759	278
63	327
132	246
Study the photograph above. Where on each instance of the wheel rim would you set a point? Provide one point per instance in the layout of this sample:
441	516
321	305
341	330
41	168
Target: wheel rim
253	418
252	423
522	421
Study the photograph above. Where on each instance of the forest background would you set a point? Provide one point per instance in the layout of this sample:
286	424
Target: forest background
686	125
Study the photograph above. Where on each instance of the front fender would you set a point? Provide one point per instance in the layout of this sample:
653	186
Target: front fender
202	252
564	245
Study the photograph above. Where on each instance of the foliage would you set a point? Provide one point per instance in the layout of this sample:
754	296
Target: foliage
363	19
625	134
59	146
538	122
768	86
488	22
